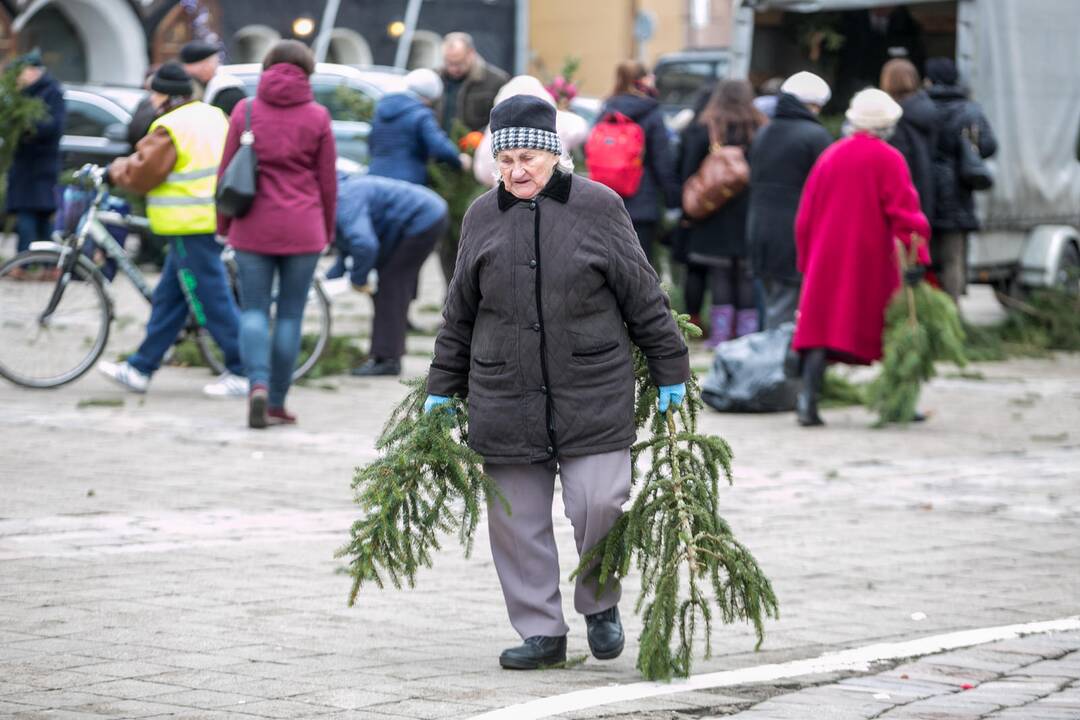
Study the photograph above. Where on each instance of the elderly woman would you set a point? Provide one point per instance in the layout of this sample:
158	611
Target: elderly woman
550	289
858	200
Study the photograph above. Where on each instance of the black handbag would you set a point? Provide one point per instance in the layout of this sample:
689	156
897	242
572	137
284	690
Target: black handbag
972	169
236	190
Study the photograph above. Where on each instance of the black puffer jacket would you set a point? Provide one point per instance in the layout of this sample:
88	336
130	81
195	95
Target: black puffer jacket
546	298
916	137
659	184
954	204
784	151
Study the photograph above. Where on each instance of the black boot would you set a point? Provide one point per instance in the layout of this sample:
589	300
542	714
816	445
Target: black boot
537	652
813	375
377	366
606	636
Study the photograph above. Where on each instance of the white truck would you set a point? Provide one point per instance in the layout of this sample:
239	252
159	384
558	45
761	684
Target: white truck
1019	58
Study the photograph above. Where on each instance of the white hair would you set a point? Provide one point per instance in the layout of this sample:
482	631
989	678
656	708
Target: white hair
565	163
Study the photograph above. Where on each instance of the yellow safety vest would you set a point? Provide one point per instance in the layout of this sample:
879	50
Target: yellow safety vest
184	203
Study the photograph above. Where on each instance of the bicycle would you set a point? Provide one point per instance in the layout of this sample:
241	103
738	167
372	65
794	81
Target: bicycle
56	308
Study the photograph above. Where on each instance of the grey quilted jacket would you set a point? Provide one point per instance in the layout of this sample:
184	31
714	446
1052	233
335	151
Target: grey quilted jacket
546	298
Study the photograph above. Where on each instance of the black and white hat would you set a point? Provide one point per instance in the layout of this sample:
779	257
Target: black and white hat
524	121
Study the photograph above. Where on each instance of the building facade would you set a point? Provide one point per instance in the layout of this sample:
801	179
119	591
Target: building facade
115	41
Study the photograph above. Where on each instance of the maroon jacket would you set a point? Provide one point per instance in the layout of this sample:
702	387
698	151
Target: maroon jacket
295	205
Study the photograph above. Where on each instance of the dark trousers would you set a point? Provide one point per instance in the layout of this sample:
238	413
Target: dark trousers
397	285
781	301
269	358
728	281
646	235
194	274
32	226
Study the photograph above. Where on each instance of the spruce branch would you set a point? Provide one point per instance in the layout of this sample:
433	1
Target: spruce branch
673	530
425	483
922	326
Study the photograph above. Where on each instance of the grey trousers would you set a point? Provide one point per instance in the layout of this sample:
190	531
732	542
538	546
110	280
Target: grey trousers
781	302
948	251
594	489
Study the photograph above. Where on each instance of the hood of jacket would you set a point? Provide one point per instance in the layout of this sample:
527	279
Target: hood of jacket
634	107
920	111
284	85
789	107
945	93
397	105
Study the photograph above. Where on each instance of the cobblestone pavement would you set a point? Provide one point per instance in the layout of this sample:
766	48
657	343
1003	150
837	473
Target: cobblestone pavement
158	559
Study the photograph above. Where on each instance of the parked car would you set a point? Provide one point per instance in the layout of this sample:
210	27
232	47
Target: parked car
349	94
681	77
95	128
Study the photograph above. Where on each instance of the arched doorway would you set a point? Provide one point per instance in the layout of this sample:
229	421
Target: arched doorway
251	43
425	51
348	47
70	33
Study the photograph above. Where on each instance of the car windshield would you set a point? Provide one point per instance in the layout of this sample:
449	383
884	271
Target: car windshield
679	83
345	102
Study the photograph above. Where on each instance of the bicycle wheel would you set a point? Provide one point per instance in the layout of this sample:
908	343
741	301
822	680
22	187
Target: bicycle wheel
39	352
314	333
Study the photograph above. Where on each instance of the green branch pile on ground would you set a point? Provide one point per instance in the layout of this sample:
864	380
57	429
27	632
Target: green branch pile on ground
922	326
1046	321
425	483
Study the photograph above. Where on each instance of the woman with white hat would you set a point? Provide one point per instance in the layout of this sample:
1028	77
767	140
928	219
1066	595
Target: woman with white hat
405	134
858	201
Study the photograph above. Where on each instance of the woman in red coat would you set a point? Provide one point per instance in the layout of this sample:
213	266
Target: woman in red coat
858	200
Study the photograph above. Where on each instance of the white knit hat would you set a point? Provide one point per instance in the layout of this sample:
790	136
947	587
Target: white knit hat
808	88
873	109
425	83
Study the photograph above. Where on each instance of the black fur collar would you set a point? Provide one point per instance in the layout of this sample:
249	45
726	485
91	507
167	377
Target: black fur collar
557	188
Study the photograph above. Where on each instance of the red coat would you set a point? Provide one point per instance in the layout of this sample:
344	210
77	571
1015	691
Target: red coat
857	199
296	197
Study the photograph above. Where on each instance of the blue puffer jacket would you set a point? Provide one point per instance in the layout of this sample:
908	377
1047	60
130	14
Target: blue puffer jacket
374	214
404	136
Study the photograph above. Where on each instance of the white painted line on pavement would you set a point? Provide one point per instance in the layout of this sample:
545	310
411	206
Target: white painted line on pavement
854	659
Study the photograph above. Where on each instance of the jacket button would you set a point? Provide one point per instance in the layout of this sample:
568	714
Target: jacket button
532	263
532	206
536	327
550	449
543	389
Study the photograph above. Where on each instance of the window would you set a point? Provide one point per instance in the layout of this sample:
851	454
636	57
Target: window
84	118
679	83
343	102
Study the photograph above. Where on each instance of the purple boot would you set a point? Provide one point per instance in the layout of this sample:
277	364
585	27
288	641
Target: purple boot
721	324
746	322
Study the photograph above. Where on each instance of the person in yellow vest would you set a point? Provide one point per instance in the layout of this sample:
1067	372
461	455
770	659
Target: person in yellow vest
175	166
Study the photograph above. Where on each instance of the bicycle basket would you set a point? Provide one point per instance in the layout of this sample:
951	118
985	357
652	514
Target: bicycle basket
73	204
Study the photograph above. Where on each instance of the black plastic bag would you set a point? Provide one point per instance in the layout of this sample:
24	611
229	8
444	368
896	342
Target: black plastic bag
748	374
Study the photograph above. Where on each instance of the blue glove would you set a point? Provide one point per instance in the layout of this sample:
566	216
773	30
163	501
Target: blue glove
671	395
434	401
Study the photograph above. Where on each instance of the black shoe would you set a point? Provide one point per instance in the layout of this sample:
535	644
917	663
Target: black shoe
605	632
376	366
537	652
806	410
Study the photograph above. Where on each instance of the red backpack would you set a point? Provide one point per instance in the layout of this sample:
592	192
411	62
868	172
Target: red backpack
614	152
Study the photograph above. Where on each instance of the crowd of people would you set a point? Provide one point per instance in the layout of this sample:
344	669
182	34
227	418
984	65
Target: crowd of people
794	229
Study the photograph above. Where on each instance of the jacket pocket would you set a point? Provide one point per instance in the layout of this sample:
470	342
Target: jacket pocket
489	365
595	353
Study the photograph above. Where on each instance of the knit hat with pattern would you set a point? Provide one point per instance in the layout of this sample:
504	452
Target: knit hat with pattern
523	121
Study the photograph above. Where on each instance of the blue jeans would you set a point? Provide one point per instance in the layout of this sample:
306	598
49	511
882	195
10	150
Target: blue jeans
31	226
192	268
270	360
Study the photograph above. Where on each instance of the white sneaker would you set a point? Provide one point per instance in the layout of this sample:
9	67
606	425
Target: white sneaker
123	374
227	385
